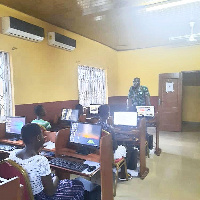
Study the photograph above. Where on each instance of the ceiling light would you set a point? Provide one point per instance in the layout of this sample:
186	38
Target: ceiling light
170	4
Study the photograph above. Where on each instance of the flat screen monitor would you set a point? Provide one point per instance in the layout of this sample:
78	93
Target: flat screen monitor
70	115
85	134
15	124
94	109
125	118
147	111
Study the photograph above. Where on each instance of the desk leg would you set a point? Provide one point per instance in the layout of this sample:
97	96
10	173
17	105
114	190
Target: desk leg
62	174
158	150
143	169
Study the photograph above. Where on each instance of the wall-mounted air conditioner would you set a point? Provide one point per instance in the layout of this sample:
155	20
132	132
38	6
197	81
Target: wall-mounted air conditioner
61	41
21	29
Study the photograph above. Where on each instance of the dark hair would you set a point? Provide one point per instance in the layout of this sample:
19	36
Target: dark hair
29	131
136	79
39	110
80	108
104	111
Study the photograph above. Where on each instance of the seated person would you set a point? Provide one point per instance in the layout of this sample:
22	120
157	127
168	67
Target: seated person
104	112
44	187
119	151
40	113
81	117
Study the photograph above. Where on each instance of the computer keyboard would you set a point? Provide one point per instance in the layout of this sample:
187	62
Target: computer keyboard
7	147
72	165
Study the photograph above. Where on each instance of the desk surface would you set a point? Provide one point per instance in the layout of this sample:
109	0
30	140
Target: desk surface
72	153
19	143
7	141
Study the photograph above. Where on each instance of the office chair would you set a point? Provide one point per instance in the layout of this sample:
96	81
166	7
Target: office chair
10	169
118	164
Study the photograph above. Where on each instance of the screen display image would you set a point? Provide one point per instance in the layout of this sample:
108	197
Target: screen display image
145	111
15	124
85	134
70	114
125	118
94	109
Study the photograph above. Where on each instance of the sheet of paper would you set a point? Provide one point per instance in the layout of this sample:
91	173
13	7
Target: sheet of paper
49	145
169	87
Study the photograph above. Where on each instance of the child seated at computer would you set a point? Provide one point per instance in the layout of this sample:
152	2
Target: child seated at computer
40	113
81	116
118	150
44	187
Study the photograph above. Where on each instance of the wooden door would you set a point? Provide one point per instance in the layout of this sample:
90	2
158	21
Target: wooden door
170	101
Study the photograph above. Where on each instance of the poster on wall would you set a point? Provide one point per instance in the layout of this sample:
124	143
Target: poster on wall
169	87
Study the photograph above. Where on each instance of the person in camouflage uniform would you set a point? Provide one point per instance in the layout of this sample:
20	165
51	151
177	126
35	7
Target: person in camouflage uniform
138	95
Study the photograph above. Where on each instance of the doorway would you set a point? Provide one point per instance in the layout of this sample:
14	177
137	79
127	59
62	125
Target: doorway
191	101
179	100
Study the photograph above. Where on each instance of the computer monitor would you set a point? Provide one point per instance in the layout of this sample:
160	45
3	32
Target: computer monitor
85	134
14	125
147	111
125	118
94	109
70	115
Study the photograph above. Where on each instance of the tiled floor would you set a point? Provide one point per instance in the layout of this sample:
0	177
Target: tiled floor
174	175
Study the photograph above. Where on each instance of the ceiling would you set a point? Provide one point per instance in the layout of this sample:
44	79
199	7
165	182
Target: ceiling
119	24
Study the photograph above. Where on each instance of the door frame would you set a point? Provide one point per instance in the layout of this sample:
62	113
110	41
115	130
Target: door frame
178	76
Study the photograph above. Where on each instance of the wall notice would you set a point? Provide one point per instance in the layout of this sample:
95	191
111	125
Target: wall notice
169	87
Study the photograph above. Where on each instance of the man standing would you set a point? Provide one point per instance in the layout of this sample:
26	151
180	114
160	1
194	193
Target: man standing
138	95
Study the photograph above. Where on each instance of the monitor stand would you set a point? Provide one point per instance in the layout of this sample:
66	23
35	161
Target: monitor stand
83	150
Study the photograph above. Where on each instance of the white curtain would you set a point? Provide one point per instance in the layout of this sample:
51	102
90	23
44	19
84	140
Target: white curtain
91	85
5	86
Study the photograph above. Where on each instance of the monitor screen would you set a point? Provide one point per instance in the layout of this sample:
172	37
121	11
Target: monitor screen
94	109
147	111
70	115
125	118
15	124
85	134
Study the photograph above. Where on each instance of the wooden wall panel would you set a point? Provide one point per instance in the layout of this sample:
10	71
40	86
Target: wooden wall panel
55	108
52	109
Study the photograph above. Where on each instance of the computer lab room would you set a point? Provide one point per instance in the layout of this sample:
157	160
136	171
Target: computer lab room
99	100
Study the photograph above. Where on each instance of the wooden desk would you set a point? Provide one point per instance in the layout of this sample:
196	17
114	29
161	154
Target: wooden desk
49	136
141	135
155	121
104	156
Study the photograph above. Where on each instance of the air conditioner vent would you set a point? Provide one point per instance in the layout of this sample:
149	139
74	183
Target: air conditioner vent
61	41
21	29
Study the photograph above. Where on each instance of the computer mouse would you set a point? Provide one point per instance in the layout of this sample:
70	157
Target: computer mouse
91	168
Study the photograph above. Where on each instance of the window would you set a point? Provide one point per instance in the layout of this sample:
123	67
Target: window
91	85
5	86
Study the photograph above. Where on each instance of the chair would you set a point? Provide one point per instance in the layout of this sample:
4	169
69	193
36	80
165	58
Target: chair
119	163
10	169
8	185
